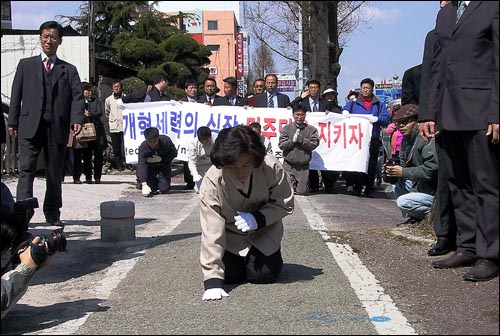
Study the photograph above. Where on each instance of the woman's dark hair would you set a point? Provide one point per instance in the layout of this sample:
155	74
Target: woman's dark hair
234	141
86	86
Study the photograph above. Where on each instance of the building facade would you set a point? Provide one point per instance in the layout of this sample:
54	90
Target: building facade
220	32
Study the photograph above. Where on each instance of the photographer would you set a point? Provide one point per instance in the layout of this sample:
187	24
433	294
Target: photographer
15	282
417	173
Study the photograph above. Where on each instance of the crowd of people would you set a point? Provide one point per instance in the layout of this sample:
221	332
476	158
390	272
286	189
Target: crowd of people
444	148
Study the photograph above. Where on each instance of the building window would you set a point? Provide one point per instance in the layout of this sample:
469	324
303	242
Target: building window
213	47
213	25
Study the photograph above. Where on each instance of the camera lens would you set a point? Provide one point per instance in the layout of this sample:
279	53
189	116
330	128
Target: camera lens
56	242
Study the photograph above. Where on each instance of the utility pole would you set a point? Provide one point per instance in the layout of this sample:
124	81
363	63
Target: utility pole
91	22
301	54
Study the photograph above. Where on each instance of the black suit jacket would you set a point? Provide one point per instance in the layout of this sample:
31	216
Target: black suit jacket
224	101
261	100
464	74
322	106
185	99
26	102
430	41
203	99
140	95
411	85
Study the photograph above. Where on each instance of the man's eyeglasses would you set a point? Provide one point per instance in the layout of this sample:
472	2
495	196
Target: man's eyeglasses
50	38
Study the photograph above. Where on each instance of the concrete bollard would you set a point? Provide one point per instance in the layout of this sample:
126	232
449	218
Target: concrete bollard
117	221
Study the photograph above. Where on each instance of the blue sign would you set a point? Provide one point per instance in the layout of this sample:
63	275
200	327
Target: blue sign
386	95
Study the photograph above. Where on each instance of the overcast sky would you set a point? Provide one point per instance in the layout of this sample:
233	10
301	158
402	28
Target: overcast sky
391	43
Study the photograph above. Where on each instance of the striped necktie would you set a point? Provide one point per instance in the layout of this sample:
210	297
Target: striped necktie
315	106
270	102
48	64
460	9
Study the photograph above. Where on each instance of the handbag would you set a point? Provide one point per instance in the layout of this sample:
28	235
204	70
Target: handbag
87	133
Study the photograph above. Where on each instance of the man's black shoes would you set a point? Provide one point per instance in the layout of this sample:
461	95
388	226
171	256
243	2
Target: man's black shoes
441	247
54	221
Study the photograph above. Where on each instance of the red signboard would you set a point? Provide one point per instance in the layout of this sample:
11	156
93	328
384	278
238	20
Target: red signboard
239	55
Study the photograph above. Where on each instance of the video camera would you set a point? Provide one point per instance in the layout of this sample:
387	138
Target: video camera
15	235
394	161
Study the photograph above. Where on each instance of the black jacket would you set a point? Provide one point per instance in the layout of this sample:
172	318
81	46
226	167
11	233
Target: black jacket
139	96
165	149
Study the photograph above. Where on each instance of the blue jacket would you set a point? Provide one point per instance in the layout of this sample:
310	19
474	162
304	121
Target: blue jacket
377	108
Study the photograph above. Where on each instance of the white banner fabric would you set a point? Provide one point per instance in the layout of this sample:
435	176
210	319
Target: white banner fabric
344	142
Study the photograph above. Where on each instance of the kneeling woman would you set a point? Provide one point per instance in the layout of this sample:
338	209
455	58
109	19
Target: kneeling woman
244	196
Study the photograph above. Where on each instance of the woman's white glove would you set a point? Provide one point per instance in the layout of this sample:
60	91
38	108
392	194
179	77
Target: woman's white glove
346	113
197	177
373	119
214	294
146	190
245	221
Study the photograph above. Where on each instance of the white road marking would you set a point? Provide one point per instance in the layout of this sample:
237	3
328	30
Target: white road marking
383	313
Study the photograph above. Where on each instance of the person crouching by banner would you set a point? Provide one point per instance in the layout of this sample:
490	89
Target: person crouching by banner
155	157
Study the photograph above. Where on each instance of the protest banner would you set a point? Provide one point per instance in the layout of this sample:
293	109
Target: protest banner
343	146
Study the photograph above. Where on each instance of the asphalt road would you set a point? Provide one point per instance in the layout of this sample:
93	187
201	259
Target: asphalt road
348	270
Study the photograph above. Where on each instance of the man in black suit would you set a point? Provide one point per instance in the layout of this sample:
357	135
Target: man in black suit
443	221
210	97
411	85
149	93
191	89
231	97
464	109
271	98
46	99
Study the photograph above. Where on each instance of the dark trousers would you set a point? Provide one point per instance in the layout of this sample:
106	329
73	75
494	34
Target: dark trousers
372	165
29	150
330	178
78	163
118	150
188	178
93	151
159	179
474	185
444	218
313	180
255	267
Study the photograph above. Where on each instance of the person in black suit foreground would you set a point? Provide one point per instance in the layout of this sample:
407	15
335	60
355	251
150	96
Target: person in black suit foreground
271	98
46	99
443	221
464	110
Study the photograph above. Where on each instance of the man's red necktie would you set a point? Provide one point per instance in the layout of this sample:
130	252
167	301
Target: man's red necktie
48	63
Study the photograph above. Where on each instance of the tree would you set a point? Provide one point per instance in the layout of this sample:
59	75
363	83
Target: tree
136	35
326	27
263	62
